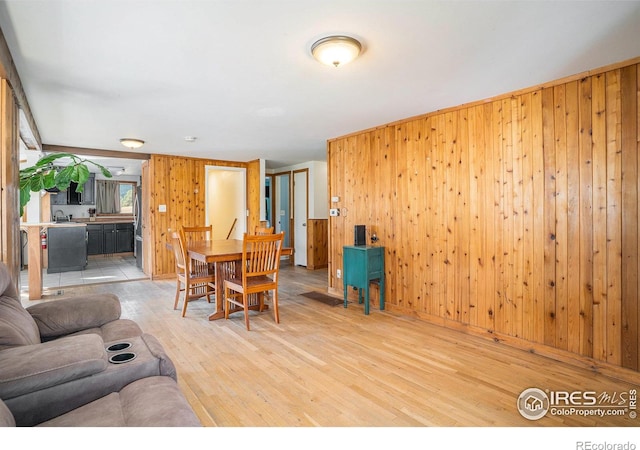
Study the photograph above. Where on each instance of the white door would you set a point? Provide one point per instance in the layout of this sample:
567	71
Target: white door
300	213
226	201
282	217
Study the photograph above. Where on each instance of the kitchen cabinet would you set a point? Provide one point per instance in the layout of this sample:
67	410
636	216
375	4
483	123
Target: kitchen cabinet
124	237
71	197
107	238
88	194
95	239
59	198
67	249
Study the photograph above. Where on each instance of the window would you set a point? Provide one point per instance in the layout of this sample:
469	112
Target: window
115	197
127	194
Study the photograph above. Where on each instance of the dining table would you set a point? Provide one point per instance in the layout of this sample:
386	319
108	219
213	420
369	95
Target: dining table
226	255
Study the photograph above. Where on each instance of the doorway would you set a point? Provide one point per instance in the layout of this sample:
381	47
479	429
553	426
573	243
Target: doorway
268	200
226	201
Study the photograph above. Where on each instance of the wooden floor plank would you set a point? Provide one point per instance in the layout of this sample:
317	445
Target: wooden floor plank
335	367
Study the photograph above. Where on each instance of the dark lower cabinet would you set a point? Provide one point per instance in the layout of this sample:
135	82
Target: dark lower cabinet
109	243
124	237
67	249
107	238
95	239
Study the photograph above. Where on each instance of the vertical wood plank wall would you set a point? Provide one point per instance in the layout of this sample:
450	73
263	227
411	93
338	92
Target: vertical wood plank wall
254	186
9	180
173	182
317	234
516	216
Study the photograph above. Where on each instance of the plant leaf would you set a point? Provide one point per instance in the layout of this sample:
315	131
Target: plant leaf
37	183
83	175
45	161
106	172
49	179
25	196
63	178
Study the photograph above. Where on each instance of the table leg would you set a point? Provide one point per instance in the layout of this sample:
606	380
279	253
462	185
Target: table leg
345	294
366	299
221	272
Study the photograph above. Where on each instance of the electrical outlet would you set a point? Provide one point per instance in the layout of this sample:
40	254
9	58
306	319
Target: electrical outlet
338	273
334	212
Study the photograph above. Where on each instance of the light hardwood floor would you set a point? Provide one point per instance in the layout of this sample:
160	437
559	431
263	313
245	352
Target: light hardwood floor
331	366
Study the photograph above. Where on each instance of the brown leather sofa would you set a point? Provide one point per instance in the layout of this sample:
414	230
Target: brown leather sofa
74	361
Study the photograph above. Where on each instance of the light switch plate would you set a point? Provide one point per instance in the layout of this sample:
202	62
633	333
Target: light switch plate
162	208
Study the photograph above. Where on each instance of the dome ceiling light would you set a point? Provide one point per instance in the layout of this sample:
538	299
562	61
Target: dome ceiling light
336	50
116	170
132	143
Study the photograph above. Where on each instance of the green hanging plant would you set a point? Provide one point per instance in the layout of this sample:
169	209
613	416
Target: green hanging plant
45	175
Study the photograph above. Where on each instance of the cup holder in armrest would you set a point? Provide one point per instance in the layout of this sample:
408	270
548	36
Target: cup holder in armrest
121	358
118	347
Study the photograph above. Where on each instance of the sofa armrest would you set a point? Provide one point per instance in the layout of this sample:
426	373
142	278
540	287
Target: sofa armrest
30	368
69	315
165	364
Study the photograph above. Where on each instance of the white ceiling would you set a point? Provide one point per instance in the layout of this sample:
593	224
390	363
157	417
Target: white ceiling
239	75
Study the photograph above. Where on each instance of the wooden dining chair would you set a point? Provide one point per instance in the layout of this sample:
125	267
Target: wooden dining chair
196	285
263	230
260	268
199	233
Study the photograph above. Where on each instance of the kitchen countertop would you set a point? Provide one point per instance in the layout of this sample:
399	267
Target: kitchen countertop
86	221
52	224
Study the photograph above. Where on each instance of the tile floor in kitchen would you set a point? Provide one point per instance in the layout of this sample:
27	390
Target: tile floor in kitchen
100	269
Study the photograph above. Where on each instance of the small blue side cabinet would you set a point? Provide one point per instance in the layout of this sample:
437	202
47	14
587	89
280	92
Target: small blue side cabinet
362	264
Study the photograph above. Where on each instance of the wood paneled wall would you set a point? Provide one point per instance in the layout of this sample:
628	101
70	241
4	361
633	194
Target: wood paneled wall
179	183
517	216
10	182
317	246
255	185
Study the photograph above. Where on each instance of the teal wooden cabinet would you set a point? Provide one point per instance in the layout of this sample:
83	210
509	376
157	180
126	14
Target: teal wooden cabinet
362	264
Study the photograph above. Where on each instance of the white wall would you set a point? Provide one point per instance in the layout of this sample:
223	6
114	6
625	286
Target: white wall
33	207
226	201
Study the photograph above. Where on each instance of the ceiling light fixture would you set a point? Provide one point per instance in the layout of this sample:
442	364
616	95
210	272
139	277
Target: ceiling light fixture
132	143
336	50
116	170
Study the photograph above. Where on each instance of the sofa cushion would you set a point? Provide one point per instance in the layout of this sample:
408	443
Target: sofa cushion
32	368
64	316
17	327
149	402
44	404
6	418
113	331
